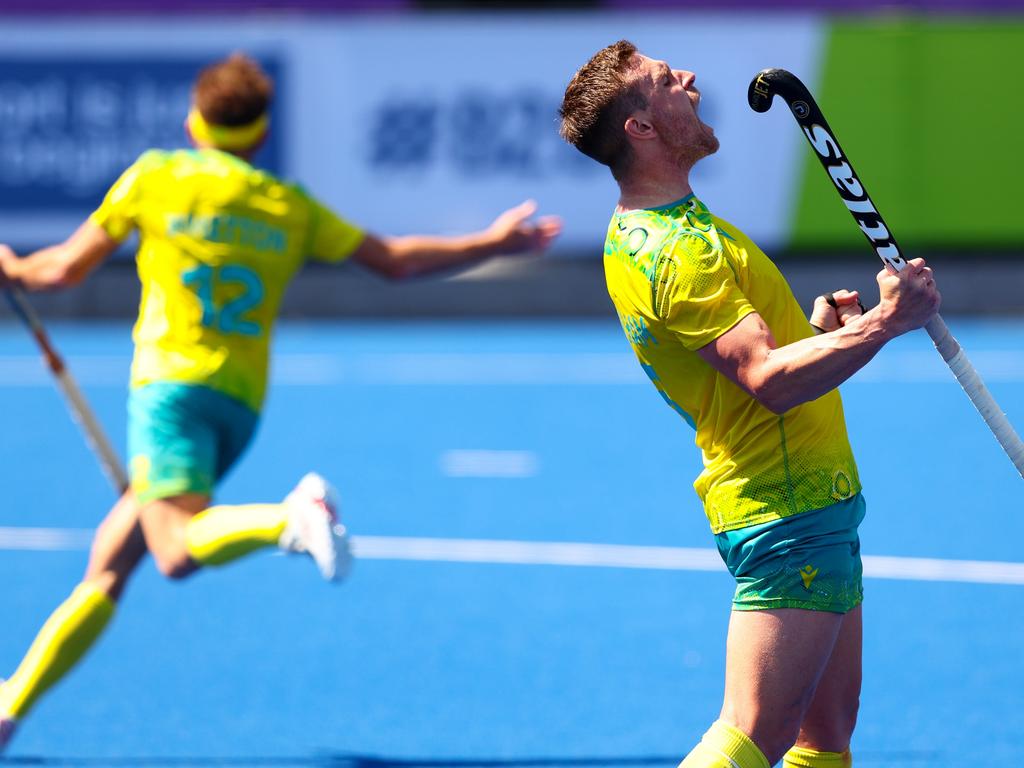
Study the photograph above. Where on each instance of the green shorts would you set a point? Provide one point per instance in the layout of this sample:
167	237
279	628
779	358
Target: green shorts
184	438
810	560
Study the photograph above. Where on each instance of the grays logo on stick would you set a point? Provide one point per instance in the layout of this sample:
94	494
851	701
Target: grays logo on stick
852	192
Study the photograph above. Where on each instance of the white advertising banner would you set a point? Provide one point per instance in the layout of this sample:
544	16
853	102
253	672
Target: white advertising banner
418	123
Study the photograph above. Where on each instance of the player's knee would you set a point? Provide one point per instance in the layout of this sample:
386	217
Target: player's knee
174	565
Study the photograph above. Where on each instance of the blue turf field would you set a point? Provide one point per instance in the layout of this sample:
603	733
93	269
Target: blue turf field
432	662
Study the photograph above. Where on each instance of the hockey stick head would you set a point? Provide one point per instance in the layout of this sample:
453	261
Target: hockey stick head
771	82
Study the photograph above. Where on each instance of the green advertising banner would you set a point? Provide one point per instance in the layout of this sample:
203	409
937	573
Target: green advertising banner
929	112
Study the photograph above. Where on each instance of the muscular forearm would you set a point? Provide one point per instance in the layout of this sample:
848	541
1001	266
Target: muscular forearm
780	378
807	369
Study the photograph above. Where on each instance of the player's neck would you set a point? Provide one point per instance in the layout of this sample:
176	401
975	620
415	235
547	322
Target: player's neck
243	154
653	189
658	175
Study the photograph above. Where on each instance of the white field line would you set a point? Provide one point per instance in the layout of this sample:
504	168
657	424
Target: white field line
464	462
45	539
571	554
494	368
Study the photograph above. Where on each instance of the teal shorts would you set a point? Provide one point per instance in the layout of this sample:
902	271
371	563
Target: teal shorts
810	560
184	438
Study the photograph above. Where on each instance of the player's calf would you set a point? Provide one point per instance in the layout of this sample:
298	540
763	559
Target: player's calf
829	728
774	727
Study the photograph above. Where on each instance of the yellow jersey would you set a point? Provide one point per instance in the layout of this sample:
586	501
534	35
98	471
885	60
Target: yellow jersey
218	243
680	277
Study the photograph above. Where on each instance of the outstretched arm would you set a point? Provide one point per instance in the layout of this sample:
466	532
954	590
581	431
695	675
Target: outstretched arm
512	232
58	266
781	378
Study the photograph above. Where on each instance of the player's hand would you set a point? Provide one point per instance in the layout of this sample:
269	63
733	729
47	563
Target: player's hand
834	310
7	258
513	232
909	298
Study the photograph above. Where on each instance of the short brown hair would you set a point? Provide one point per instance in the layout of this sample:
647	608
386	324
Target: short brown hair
596	103
233	91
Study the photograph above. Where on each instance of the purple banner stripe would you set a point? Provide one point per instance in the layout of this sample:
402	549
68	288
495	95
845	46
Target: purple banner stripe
147	7
177	7
972	7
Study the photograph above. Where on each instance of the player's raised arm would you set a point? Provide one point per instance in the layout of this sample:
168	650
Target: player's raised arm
59	266
781	378
514	231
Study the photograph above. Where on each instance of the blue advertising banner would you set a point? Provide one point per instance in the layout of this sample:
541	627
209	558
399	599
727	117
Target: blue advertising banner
70	126
474	133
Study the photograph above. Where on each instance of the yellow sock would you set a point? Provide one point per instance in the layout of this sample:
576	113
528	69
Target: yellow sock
219	535
798	757
724	746
62	641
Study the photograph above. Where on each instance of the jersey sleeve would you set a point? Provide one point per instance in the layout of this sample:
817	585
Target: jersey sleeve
697	292
118	213
332	238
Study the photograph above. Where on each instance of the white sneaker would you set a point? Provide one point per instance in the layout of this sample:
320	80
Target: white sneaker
7	725
313	527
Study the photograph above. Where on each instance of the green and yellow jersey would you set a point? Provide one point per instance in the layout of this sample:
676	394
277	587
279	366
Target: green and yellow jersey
219	242
680	277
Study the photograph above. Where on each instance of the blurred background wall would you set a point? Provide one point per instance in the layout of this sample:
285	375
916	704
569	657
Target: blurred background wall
434	117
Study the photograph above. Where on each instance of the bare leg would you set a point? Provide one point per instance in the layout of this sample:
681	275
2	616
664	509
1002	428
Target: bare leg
774	661
184	533
78	622
829	722
163	525
117	548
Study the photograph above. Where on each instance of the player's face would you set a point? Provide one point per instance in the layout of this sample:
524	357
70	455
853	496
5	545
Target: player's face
673	101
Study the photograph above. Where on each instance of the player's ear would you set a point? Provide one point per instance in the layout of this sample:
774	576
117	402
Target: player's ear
639	126
188	134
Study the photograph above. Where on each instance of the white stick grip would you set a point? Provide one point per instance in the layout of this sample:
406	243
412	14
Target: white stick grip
976	390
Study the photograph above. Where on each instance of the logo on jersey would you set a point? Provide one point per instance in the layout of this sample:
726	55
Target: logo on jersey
807	574
842	487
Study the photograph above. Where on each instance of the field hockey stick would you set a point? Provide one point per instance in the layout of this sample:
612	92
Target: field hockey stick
763	88
80	410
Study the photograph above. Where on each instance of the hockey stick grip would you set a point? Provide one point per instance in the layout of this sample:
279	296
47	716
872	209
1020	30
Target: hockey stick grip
975	388
80	410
